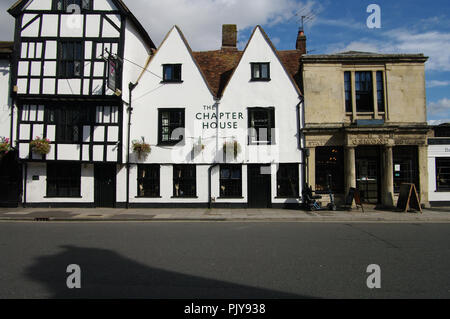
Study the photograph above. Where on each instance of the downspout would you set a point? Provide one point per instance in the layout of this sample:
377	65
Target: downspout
215	164
210	184
131	87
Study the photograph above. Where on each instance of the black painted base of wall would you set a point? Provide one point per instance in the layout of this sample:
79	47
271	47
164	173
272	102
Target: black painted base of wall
440	204
158	205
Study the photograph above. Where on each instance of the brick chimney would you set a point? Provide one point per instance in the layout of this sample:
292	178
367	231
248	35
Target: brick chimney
301	42
229	37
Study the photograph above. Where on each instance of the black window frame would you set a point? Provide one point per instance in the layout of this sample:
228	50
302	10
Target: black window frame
288	181
364	92
177	73
230	185
66	3
258	66
380	92
152	178
66	65
445	161
348	91
270	127
63	180
172	126
187	179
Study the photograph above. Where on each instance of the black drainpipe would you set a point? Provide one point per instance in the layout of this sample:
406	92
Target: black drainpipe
131	87
25	184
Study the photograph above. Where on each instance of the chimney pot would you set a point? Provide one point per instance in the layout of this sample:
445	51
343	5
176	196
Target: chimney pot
229	37
301	42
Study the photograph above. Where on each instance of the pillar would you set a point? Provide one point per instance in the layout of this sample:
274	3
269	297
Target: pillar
350	168
312	168
423	175
387	188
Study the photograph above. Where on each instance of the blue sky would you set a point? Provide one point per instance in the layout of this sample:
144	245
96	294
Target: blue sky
407	26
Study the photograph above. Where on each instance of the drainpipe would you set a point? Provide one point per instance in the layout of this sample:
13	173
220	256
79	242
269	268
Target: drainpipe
131	87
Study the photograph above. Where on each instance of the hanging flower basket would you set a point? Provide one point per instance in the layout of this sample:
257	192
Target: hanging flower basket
5	147
199	146
141	148
40	146
232	146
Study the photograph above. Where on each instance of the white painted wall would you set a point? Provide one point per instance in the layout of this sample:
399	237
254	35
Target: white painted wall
36	190
436	151
5	105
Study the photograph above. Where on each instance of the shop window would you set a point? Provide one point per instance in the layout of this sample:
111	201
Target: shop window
184	181
148	181
288	181
405	166
70	59
364	91
172	73
260	71
231	181
171	126
330	169
63	180
443	174
261	123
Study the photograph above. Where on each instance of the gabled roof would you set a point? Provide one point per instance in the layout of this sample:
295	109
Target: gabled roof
219	66
17	7
186	43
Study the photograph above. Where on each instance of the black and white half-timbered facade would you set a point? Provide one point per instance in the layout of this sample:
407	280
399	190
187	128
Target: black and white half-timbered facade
72	63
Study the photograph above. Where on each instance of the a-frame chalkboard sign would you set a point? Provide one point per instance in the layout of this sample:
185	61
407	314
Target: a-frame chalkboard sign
408	198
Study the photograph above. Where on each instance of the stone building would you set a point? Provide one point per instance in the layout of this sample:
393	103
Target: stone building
366	124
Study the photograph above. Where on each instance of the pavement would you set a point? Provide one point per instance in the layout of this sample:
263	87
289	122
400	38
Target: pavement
370	214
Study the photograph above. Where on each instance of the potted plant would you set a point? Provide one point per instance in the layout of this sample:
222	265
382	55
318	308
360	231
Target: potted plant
40	146
141	148
5	147
233	146
199	146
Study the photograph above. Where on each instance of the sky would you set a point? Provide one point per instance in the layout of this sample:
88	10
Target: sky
407	26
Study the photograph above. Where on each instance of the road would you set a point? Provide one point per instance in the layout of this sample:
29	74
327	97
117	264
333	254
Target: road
224	260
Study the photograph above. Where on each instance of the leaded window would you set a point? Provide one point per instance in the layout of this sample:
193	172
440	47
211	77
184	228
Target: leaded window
231	181
70	64
184	181
261	124
171	126
148	181
63	180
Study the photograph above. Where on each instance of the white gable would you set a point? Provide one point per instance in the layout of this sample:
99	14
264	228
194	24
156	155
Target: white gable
241	88
151	94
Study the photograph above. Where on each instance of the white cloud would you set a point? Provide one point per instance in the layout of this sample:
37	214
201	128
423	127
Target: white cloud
433	44
441	107
437	83
201	20
438	122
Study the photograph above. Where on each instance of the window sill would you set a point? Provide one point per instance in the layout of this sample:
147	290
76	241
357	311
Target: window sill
171	82
230	197
63	197
442	191
175	197
147	197
260	80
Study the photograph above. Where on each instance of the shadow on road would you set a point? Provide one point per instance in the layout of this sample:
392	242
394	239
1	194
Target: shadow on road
106	274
